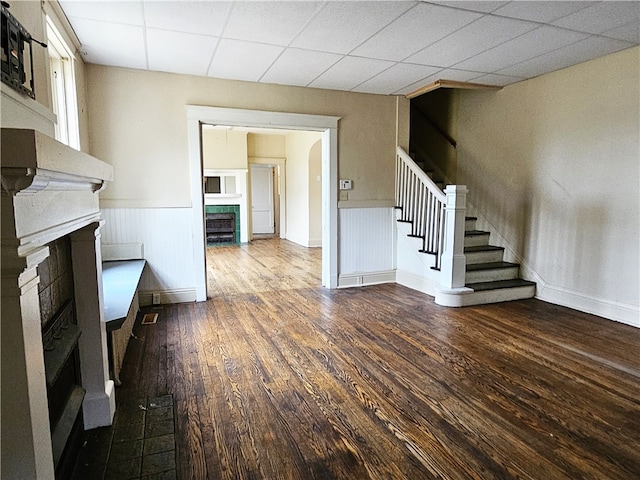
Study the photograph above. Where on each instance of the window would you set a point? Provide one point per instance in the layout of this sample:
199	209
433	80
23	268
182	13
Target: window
219	184
63	87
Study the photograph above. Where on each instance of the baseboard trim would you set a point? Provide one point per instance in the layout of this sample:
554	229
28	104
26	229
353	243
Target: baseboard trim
179	295
366	278
315	242
619	312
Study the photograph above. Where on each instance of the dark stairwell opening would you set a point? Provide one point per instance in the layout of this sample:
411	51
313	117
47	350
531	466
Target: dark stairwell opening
433	132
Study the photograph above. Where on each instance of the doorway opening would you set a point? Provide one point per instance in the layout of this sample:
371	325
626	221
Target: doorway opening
252	119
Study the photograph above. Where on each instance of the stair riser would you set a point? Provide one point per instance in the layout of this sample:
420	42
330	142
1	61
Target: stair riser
499	295
483	257
476	240
491	275
470	224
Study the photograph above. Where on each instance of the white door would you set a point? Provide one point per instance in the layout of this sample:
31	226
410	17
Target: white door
262	198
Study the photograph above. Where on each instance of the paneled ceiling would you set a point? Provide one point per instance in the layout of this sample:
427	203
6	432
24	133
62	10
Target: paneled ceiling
382	47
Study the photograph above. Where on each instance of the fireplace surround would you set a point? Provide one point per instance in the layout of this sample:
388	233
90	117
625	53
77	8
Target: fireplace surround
49	198
222	224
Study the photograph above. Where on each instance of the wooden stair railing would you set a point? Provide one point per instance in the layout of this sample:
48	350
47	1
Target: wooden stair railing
436	216
422	204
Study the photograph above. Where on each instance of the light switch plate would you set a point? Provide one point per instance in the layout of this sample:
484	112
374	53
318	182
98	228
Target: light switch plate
345	184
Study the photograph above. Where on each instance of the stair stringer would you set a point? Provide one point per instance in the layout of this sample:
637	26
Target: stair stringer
414	269
498	239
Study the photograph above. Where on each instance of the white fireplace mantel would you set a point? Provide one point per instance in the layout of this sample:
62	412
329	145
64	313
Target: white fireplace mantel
48	191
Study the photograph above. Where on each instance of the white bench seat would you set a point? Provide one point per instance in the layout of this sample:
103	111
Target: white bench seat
120	280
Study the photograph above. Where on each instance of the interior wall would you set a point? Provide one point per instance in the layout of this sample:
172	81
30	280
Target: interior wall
552	166
298	146
224	149
138	125
266	145
315	194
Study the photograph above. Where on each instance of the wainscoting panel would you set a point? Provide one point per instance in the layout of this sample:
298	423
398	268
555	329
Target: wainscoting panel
167	238
367	240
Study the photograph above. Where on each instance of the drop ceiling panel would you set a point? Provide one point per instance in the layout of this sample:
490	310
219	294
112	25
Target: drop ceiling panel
602	16
179	52
395	78
299	67
349	73
529	45
303	42
476	6
391	42
129	13
276	23
498	80
539	11
483	34
629	32
125	48
204	18
592	47
242	60
350	24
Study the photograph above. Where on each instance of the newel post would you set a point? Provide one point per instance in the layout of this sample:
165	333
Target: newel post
453	266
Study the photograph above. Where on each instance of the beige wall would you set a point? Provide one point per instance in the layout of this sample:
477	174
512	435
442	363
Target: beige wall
315	194
298	147
265	145
553	164
222	149
138	124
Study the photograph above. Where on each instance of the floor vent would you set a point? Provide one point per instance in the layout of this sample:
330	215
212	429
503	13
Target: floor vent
149	319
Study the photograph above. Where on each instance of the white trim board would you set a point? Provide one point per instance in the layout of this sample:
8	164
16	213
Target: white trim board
619	312
361	279
328	125
178	295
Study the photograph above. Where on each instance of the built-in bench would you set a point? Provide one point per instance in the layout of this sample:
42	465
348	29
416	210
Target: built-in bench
120	281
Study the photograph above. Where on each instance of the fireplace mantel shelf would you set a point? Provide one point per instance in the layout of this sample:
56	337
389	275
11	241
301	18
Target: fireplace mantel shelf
33	161
40	174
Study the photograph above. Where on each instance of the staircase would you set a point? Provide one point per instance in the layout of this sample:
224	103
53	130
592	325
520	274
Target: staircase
466	269
490	278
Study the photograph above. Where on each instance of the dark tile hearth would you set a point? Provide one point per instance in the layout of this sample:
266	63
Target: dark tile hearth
139	445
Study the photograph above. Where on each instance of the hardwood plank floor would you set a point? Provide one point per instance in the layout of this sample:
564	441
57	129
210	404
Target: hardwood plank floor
275	377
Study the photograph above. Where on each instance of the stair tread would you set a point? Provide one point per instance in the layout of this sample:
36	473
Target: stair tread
482	248
471	233
474	267
471	218
517	282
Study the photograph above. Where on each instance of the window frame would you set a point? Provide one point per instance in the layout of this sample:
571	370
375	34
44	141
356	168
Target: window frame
64	99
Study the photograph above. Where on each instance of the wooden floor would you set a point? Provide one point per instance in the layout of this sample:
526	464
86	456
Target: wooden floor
275	377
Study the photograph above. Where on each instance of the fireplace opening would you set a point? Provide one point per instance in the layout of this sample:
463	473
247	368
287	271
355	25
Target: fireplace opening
220	228
60	336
